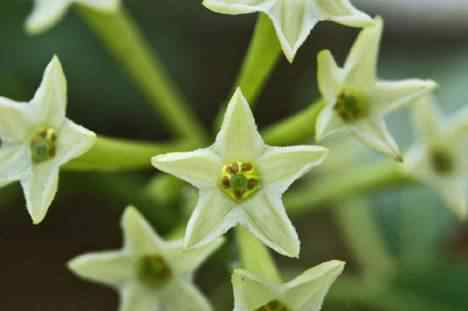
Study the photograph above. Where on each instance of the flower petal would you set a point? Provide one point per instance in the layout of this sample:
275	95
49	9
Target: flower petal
102	5
15	161
428	119
308	291
281	166
390	95
237	6
201	167
251	292
73	141
329	77
182	296
110	268
453	191
266	218
374	133
135	297
343	12
187	260
328	123
40	186
46	14
361	64
15	124
238	139
139	236
214	215
50	101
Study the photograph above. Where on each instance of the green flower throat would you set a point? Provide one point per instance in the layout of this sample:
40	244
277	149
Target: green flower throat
154	271
274	305
352	106
44	145
240	180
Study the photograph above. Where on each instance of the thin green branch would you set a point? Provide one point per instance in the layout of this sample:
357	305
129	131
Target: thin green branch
111	155
255	257
121	35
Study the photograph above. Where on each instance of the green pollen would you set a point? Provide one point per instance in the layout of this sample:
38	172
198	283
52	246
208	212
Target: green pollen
442	161
154	271
239	181
44	145
274	305
351	106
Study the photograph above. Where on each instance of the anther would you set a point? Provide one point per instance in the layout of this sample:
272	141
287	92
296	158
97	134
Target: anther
43	145
239	180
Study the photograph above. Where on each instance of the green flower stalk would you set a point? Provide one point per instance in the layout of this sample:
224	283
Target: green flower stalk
148	272
357	101
37	139
241	181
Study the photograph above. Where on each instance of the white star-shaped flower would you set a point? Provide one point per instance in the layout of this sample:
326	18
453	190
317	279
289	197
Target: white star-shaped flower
294	19
440	159
305	293
241	181
47	13
356	100
37	139
149	273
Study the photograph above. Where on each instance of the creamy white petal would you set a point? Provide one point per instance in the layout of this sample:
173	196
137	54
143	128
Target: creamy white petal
39	187
361	64
307	292
390	95
329	77
15	123
454	191
50	101
238	6
428	119
180	295
342	12
238	139
251	292
201	168
73	141
374	133
186	260
213	216
281	166
328	123
15	162
135	297
46	14
111	268
139	236
266	218
102	5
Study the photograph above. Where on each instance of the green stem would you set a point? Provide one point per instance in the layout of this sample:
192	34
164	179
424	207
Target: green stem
335	188
296	129
121	35
110	155
255	257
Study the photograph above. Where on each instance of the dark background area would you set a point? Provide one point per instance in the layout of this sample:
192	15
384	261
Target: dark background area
203	52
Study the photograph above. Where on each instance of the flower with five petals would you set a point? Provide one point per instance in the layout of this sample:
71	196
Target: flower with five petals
37	139
47	13
149	273
306	292
356	100
294	19
241	181
440	159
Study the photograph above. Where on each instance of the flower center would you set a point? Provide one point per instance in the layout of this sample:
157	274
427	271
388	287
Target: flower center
44	145
442	161
352	106
240	180
274	305
154	271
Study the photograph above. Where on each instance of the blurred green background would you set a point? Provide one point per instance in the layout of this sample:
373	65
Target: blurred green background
203	52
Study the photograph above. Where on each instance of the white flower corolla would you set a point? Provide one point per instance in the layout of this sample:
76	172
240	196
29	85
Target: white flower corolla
294	19
305	293
241	181
357	101
149	273
47	13
37	139
440	160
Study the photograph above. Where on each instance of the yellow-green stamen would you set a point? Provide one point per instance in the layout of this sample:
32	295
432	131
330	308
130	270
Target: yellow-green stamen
352	106
239	180
44	145
274	305
441	161
154	271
